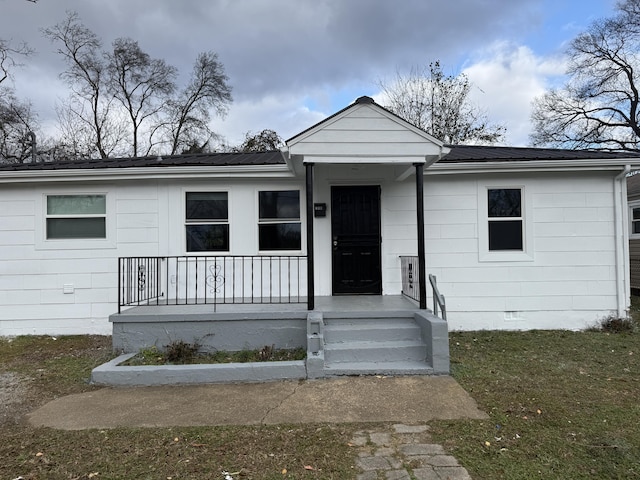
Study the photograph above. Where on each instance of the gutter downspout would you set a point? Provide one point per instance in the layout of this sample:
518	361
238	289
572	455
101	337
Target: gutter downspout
621	229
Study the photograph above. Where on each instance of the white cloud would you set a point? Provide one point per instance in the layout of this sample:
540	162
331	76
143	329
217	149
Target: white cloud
286	114
293	62
507	78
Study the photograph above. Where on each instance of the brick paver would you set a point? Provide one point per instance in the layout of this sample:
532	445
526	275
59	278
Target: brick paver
404	453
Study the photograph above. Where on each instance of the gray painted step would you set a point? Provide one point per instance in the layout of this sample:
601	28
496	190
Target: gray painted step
371	344
375	368
391	351
390	330
371	318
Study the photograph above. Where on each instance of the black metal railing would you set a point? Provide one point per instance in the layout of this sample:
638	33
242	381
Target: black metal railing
139	280
193	280
411	285
410	277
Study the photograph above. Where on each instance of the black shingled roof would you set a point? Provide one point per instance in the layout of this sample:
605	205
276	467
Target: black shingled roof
186	160
480	153
458	154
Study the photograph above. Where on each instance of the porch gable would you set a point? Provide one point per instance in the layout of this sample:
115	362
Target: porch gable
365	132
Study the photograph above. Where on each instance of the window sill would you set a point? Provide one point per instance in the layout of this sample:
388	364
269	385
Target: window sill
505	256
280	253
75	244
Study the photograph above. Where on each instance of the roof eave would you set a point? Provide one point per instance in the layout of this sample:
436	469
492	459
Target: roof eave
137	173
534	166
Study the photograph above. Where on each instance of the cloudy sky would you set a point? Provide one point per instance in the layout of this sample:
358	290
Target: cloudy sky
292	63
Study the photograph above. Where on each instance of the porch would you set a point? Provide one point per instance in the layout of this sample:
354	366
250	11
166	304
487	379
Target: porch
350	335
235	303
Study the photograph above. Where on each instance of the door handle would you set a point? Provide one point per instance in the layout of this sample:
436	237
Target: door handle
335	243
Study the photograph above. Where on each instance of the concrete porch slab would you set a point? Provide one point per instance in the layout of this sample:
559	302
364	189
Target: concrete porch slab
406	400
345	303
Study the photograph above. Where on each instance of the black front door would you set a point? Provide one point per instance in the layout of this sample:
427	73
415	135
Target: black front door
355	233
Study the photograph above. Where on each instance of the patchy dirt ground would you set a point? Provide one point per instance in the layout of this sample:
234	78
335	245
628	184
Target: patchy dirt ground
14	398
36	370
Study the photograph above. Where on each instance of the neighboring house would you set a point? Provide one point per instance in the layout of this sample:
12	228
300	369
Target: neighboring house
518	238
633	195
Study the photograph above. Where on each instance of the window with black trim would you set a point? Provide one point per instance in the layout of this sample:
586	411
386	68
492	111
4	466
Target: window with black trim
76	217
279	226
207	221
635	221
504	212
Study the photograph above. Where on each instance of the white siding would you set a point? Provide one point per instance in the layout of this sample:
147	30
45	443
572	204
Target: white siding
568	283
34	272
364	131
145	218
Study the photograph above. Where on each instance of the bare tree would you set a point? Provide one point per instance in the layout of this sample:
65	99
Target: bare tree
17	119
598	107
188	114
264	141
141	84
86	75
125	102
17	124
9	55
440	105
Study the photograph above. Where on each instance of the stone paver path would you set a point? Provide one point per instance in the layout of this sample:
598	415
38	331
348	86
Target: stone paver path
404	453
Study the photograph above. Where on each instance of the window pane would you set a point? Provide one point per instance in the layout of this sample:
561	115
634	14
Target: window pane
207	206
207	238
636	213
636	227
505	235
280	236
76	227
76	205
282	205
504	202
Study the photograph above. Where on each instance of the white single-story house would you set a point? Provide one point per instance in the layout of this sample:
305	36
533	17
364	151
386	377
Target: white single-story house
361	204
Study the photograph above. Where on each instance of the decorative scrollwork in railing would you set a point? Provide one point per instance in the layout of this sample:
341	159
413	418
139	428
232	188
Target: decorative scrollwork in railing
410	277
142	277
195	279
215	280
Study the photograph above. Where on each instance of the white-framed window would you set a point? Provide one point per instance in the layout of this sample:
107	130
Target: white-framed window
207	221
81	216
279	226
504	227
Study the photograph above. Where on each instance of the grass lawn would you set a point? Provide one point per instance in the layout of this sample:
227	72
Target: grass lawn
62	366
562	405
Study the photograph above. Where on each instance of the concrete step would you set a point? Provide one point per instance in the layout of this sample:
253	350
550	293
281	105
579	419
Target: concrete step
375	368
370	318
390	330
378	352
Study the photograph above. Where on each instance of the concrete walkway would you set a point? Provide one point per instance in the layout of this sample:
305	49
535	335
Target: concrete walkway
399	452
410	399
